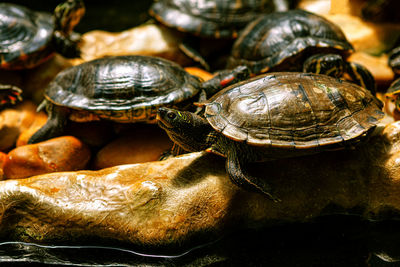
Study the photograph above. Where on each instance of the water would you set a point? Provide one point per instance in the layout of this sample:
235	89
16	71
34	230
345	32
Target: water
330	241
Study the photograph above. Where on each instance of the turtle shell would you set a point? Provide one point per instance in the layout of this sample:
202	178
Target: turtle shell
281	41
394	88
293	110
25	36
220	19
123	88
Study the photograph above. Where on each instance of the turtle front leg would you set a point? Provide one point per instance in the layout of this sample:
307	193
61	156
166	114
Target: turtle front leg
55	124
360	75
9	94
241	178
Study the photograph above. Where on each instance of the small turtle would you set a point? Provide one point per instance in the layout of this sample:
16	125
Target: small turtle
297	40
123	89
28	38
276	115
393	92
220	19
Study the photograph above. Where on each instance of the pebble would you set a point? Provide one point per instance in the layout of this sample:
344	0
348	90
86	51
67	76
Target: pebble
15	120
65	153
142	143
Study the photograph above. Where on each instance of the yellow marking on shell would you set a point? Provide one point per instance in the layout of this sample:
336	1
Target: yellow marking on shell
338	47
350	97
318	67
317	90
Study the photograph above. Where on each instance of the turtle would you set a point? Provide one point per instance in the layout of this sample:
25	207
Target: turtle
28	38
297	40
123	89
219	19
393	92
273	116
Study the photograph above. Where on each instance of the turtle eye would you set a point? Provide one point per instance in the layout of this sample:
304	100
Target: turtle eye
171	115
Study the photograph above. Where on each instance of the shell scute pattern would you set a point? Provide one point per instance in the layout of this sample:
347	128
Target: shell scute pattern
23	32
220	19
293	110
276	38
126	86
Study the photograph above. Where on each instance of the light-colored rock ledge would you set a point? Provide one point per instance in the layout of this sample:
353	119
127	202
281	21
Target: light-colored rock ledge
176	201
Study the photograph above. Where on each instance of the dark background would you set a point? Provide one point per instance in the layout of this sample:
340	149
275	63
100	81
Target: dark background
111	15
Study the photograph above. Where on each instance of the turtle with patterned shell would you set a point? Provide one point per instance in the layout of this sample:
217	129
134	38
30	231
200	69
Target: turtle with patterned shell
219	19
124	89
272	116
29	38
297	40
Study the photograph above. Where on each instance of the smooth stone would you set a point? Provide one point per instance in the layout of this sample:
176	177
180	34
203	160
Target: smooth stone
15	120
371	38
147	39
65	153
142	143
190	197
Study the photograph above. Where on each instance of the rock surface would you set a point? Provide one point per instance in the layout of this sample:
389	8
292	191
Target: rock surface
147	39
189	197
65	153
142	143
14	121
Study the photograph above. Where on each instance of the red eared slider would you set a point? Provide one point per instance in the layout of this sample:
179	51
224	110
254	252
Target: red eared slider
27	38
297	40
275	115
393	91
122	89
219	19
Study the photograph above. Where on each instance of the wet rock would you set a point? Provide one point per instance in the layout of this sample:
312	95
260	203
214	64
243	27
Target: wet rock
64	153
142	143
148	39
14	121
190	197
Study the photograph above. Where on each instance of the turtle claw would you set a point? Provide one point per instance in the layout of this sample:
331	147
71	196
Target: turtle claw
10	94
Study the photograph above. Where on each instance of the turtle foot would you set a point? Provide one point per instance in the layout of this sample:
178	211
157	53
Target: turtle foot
9	94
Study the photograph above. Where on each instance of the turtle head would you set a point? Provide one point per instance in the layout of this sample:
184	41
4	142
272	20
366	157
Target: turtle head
328	64
68	14
186	129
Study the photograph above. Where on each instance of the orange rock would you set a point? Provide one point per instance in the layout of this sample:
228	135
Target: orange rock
65	153
38	121
15	120
3	157
141	144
